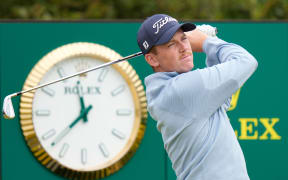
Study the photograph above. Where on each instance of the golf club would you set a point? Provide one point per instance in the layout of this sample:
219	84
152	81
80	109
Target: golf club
8	110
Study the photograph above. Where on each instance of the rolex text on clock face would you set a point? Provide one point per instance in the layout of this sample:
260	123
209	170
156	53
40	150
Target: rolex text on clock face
84	122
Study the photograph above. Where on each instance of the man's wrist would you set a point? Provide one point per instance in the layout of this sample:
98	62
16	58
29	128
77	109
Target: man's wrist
211	43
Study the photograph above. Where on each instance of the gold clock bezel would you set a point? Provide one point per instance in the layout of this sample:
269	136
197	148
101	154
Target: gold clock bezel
136	88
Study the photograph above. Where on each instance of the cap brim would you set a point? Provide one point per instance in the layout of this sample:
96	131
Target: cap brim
188	27
167	36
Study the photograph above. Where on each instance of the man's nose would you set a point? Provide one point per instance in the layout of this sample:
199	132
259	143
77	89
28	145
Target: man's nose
182	46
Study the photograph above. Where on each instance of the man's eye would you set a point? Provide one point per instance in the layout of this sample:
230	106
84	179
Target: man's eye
184	38
170	44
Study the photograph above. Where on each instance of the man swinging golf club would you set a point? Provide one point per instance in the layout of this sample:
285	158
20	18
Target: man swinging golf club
190	106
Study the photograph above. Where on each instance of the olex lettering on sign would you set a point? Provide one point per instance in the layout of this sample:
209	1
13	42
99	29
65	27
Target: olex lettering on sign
255	128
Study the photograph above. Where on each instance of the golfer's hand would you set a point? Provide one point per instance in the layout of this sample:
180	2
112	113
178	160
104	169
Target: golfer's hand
196	39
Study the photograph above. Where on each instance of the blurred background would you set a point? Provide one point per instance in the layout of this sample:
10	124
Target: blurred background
248	23
136	9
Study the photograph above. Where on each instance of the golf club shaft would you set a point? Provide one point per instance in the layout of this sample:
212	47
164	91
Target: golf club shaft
76	74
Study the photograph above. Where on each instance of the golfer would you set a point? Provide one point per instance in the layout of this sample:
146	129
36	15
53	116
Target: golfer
190	105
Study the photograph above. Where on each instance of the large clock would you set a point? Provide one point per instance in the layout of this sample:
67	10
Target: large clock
89	126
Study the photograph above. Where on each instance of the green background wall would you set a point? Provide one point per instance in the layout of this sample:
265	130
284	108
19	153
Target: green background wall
264	95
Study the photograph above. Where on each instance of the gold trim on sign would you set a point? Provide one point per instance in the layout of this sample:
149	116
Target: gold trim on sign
136	88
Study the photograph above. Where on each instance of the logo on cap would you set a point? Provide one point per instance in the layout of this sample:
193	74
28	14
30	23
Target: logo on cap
145	44
161	22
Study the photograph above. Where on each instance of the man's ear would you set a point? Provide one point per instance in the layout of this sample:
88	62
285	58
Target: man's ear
151	59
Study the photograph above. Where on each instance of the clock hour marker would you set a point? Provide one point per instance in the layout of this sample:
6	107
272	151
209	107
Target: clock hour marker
118	90
42	112
48	91
63	150
118	134
49	134
104	150
61	72
84	156
103	74
123	112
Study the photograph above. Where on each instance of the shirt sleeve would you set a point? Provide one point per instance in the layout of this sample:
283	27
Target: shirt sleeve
203	91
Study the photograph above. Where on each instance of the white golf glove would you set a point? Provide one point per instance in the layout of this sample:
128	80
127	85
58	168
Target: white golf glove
207	29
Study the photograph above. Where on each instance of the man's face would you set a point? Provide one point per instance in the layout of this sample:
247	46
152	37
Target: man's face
176	55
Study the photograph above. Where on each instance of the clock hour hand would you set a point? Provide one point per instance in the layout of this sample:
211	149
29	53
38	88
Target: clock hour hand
81	101
69	128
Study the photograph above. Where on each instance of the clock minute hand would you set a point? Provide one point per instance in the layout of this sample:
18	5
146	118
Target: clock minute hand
69	128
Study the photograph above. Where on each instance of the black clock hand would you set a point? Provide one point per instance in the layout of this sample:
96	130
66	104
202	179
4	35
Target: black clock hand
81	101
64	132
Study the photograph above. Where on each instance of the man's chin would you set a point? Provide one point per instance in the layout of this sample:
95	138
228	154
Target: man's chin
190	65
186	69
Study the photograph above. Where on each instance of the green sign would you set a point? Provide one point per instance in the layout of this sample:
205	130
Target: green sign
258	112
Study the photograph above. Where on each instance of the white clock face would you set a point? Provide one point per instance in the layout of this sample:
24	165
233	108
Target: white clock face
90	144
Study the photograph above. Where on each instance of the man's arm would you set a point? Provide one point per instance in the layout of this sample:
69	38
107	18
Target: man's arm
196	39
205	90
